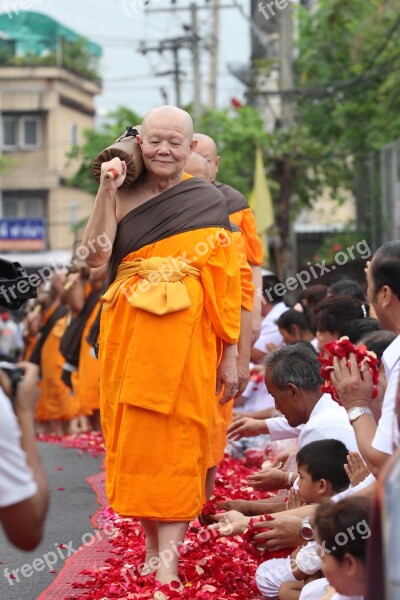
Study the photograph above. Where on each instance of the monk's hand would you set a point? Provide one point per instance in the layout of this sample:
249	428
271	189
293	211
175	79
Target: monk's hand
353	387
268	479
227	374
256	327
283	532
117	168
230	523
246	427
243	373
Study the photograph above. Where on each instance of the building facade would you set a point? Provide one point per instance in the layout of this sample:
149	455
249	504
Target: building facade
44	109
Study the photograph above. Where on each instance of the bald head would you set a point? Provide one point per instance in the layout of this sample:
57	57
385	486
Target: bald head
207	148
198	166
170	117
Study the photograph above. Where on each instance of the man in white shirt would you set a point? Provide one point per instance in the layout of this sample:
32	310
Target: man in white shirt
293	378
272	308
355	388
23	483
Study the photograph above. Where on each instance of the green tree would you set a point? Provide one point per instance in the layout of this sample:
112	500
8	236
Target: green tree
347	82
236	134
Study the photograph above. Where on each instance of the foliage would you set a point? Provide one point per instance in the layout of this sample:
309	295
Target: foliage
74	56
236	134
336	242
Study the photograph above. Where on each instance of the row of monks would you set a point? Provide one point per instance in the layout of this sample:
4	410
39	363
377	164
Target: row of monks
62	324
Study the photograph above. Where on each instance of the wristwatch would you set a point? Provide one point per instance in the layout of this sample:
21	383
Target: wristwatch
358	411
306	531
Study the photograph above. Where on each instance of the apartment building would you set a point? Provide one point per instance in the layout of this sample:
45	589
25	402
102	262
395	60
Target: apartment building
44	109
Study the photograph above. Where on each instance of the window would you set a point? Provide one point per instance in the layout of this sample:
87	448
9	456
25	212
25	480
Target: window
10	128
22	208
23	133
29	132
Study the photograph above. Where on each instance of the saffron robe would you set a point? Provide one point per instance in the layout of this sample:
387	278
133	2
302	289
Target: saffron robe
88	381
158	372
241	214
55	400
76	351
222	417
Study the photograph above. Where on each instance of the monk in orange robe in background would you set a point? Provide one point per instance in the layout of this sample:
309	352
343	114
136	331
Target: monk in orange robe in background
169	330
241	214
198	166
56	405
85	286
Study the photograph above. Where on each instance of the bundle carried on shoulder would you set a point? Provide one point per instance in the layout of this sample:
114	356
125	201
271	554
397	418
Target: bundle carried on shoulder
126	148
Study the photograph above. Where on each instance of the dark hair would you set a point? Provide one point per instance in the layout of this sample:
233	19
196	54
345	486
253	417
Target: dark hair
337	522
385	267
346	287
377	341
312	295
325	459
333	313
359	328
296	363
269	282
292	317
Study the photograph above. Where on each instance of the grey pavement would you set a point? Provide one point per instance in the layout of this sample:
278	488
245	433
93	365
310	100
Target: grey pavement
68	521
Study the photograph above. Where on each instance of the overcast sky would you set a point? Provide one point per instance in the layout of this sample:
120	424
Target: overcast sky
128	76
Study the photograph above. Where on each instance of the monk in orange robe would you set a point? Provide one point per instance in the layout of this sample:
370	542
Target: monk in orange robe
198	166
83	296
56	405
240	213
169	330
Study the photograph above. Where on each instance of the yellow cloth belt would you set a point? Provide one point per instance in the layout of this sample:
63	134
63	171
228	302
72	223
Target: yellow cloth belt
160	290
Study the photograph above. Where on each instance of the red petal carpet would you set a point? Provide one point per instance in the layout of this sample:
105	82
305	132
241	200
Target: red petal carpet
108	566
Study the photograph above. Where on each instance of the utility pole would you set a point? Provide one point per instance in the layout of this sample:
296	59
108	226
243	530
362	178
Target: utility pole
286	64
172	45
193	8
212	84
196	64
177	79
285	168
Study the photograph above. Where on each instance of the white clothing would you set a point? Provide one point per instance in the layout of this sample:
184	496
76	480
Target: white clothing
317	589
352	490
314	590
257	398
386	436
341	597
271	574
269	332
328	420
308	559
314	344
16	479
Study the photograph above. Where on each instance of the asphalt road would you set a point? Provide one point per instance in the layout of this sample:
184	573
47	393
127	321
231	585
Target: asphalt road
68	521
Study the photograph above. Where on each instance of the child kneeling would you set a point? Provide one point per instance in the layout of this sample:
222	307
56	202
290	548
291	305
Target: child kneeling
320	466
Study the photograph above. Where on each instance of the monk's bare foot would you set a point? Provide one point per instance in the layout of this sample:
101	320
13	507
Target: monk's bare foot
166	577
151	562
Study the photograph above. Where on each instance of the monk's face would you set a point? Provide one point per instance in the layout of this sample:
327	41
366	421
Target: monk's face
166	145
206	148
